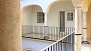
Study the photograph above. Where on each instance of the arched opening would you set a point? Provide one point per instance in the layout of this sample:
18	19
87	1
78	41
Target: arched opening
67	18
89	22
51	31
30	14
30	18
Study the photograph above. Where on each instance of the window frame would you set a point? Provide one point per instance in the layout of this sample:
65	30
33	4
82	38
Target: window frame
70	17
40	20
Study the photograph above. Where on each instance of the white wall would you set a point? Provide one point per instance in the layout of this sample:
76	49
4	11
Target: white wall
70	23
27	20
27	16
30	18
34	18
30	15
53	15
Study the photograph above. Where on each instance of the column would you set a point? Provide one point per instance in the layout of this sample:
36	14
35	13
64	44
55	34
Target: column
45	26
78	29
10	26
45	21
78	25
85	28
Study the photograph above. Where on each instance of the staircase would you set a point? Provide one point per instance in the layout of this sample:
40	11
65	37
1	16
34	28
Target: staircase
62	41
64	44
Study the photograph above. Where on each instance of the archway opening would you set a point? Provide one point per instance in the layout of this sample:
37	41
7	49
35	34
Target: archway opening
54	14
30	19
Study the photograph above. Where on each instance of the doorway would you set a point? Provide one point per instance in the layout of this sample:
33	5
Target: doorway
62	21
66	20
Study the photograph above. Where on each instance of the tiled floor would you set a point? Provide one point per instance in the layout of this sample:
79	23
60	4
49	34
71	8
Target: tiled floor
87	47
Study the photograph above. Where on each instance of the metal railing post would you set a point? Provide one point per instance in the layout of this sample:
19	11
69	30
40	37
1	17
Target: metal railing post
33	31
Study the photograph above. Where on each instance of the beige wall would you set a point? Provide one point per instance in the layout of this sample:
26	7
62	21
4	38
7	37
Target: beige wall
89	2
89	22
27	15
10	26
53	15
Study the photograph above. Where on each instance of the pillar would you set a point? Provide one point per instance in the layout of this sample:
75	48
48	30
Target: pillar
45	21
78	29
78	25
45	25
85	28
10	26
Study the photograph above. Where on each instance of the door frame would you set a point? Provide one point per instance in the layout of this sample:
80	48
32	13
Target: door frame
65	16
59	20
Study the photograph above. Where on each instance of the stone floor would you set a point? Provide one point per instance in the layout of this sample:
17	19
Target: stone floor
87	47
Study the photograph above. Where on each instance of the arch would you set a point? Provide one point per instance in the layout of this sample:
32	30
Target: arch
29	14
54	11
48	8
29	6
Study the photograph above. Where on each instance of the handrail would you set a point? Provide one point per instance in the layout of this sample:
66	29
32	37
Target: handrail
56	42
47	33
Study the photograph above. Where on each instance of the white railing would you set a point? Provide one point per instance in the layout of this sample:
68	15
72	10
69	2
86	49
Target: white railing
46	32
62	44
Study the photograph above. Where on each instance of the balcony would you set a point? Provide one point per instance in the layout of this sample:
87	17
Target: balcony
63	39
45	32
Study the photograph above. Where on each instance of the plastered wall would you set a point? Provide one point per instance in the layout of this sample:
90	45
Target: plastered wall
89	22
54	13
27	16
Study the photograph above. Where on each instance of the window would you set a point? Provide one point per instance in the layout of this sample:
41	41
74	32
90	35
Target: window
40	17
70	16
